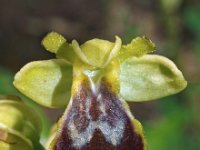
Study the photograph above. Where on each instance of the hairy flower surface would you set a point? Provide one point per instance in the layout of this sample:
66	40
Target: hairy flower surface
94	80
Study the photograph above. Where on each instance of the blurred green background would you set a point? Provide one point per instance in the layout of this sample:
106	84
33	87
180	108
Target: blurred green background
174	25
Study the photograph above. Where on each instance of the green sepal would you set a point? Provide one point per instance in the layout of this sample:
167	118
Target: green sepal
97	52
46	82
57	44
149	77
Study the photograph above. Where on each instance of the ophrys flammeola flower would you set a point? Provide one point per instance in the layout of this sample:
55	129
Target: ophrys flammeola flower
93	80
20	126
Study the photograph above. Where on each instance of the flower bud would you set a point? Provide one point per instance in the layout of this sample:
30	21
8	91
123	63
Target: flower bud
19	125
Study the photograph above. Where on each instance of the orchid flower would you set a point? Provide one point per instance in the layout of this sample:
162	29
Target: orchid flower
20	126
93	81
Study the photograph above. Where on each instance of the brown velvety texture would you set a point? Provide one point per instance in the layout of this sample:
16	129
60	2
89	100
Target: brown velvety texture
97	121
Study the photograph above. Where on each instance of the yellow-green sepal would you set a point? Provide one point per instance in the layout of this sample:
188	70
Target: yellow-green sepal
97	52
149	77
46	82
57	44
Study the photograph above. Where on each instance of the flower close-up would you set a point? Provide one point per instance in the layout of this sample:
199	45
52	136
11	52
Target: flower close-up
93	81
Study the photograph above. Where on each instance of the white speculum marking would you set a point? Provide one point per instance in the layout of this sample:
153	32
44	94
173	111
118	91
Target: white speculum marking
112	135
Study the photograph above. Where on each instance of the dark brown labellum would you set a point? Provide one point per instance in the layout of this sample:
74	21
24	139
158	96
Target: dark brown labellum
97	121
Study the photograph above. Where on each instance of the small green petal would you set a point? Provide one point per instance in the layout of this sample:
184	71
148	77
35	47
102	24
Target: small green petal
149	77
114	51
139	46
57	44
53	41
46	82
79	52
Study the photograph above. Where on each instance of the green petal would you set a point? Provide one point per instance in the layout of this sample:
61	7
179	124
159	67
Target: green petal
46	82
53	41
57	44
138	47
149	77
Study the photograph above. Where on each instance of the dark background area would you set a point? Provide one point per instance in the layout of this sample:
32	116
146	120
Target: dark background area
174	25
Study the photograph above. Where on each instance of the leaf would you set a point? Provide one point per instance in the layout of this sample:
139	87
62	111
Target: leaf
149	77
46	82
57	44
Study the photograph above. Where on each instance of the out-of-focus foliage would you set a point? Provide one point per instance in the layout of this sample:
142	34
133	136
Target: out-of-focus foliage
170	132
192	21
6	79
